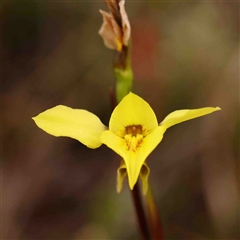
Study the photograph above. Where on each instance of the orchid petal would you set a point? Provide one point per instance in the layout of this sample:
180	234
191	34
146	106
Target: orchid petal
185	115
116	143
121	174
144	174
79	124
134	160
132	110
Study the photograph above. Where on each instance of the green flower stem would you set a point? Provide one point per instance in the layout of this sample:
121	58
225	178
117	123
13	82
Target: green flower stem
123	72
124	82
142	221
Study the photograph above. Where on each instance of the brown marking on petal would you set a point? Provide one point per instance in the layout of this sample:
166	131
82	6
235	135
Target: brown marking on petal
133	137
133	142
133	129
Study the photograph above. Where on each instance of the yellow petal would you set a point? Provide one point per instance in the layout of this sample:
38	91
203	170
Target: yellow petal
114	142
134	160
74	123
185	115
144	173
132	110
121	174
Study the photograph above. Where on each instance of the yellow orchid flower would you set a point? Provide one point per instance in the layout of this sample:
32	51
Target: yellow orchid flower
133	132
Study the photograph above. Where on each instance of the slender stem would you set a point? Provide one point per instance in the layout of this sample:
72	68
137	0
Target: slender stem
142	221
153	216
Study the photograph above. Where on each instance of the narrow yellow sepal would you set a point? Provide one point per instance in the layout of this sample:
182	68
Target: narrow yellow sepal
121	174
144	174
185	115
79	124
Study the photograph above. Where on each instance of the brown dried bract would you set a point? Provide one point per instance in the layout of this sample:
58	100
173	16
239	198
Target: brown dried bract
115	29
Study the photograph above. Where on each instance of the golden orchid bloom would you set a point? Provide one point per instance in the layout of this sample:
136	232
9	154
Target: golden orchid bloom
133	132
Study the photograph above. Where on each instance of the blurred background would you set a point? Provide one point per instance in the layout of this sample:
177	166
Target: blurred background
185	55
